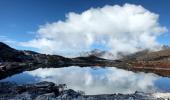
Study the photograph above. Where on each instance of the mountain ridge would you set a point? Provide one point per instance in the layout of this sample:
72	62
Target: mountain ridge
14	61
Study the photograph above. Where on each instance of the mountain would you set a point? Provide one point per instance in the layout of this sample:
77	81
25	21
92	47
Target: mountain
97	53
102	54
14	61
9	54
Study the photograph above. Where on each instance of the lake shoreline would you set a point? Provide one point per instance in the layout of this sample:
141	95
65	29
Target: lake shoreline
14	61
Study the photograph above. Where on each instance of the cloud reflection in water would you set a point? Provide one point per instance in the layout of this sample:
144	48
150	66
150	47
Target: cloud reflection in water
98	81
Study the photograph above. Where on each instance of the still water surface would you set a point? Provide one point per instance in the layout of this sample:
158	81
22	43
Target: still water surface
96	81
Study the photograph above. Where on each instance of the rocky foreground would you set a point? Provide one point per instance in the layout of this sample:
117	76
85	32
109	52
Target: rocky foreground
51	91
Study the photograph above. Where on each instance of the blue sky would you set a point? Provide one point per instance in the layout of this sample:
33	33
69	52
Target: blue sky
19	19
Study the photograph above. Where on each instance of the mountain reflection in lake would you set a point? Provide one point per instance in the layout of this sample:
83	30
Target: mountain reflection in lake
95	81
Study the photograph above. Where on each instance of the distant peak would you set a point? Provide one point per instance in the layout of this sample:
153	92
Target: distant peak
6	48
3	45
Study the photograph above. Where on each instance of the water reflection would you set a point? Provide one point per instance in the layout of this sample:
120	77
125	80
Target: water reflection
94	81
163	84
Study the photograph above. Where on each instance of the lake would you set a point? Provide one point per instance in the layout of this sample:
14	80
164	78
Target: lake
107	80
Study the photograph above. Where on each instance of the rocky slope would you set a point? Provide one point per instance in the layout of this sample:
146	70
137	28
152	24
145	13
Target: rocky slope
156	62
14	61
51	91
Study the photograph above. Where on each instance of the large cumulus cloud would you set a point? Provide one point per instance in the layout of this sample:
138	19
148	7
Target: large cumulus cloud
113	28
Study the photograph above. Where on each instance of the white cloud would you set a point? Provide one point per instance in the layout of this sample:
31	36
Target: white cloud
126	28
99	81
7	40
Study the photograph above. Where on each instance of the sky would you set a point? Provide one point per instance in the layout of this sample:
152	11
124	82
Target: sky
40	24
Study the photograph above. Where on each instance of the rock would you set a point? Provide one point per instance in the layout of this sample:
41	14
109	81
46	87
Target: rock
48	96
44	84
23	96
7	87
50	91
11	90
70	94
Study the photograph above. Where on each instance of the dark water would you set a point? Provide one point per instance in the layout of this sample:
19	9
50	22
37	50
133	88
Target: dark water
96	81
